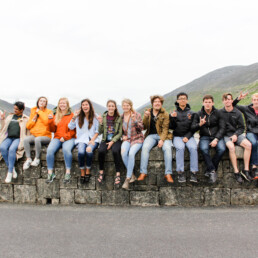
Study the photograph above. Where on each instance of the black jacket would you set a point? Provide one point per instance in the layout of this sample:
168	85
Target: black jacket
251	118
234	121
214	126
182	123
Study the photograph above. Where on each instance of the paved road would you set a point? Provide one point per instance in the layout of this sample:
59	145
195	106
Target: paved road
92	231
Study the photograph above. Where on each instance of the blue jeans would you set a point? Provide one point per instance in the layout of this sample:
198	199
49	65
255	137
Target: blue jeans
54	146
89	155
150	142
180	153
204	145
253	138
128	153
8	150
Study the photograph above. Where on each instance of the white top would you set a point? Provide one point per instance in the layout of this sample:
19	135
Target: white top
84	134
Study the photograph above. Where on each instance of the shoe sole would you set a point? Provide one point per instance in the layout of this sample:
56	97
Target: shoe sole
244	176
182	181
193	181
255	178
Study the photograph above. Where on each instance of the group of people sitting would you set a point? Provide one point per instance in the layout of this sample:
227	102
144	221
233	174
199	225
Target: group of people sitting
123	135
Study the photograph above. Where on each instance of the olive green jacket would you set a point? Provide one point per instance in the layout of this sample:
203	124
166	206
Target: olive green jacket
118	128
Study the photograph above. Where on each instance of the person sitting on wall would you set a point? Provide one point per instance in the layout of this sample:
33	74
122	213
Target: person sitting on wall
39	130
12	137
251	118
111	128
212	128
181	121
63	138
156	123
234	136
132	139
87	127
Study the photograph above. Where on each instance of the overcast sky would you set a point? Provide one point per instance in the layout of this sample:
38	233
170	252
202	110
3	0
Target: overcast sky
116	49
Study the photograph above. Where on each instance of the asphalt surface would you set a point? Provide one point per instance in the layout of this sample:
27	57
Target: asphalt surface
93	231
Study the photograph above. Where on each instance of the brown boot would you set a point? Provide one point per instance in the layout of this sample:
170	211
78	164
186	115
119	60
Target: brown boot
133	178
142	177
126	184
169	178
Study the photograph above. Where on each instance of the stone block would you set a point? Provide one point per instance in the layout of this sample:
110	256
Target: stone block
66	196
49	191
119	197
91	185
216	196
6	193
143	187
108	184
29	181
87	197
73	184
32	172
25	194
54	201
168	196
244	196
148	198
156	154
190	196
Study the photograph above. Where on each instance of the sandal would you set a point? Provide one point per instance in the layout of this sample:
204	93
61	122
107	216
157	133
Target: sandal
87	178
101	178
117	181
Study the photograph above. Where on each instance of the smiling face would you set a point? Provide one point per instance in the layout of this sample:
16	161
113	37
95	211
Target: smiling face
208	104
182	100
111	107
157	104
62	105
85	107
227	101
17	111
255	101
126	107
42	103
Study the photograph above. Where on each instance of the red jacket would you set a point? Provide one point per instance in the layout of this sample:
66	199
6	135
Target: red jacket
61	129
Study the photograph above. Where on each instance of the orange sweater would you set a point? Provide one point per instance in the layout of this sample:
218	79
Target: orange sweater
61	129
40	127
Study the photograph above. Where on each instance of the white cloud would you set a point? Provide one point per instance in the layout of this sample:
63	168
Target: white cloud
117	49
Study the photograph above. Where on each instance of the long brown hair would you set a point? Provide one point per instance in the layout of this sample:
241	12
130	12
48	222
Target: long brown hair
59	114
82	114
116	113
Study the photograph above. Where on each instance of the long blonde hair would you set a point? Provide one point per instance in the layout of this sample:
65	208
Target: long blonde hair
129	102
59	114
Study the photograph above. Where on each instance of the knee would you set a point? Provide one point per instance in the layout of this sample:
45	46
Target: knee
67	152
248	145
180	148
231	148
3	149
115	152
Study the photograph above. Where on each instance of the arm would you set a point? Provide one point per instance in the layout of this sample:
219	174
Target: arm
52	125
222	128
241	108
138	122
195	126
32	120
172	122
72	124
43	116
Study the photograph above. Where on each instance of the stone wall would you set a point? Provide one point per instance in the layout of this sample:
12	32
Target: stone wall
30	186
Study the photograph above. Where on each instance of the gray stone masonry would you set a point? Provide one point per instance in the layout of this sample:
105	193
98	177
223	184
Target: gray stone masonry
30	186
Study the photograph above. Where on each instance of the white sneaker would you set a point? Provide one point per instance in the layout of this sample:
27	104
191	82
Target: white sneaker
14	173
35	162
27	164
9	177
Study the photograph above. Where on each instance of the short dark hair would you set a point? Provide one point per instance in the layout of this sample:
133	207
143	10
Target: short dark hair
225	95
181	94
20	105
208	97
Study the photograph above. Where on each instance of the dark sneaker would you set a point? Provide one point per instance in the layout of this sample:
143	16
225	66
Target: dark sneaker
82	180
213	177
193	177
255	173
50	178
245	174
181	177
238	178
67	178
